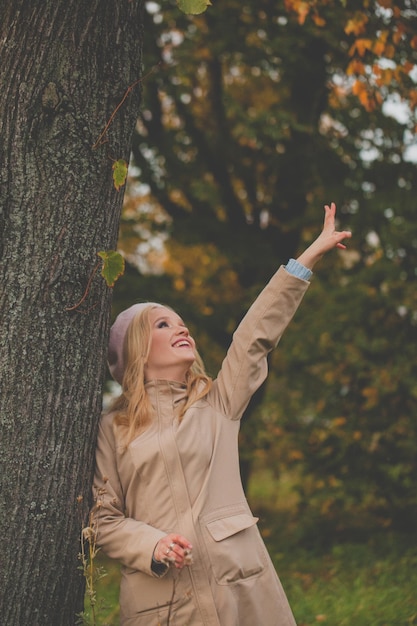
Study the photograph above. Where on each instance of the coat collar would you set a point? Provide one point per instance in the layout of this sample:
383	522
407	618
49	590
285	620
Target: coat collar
166	396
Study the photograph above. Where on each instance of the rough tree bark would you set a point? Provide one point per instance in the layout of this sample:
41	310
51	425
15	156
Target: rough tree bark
65	66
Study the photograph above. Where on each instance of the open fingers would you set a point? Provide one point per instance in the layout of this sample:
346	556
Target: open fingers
329	227
329	215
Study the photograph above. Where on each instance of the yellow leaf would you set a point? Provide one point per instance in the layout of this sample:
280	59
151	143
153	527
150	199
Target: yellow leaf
366	102
389	51
113	266
303	10
333	481
296	455
355	67
319	21
386	76
362	45
193	7
372	396
379	48
412	96
397	36
357	25
179	284
358	87
386	4
119	173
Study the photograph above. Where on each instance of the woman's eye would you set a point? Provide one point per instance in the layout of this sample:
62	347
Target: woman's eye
162	325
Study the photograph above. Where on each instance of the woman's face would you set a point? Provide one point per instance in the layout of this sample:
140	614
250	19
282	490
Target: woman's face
172	350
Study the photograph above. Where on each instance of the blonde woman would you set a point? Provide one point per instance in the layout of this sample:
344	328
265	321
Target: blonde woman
169	500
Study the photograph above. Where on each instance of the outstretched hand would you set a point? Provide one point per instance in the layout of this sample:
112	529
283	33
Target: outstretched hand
328	239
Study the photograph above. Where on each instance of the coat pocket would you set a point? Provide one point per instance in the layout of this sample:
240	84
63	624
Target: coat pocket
234	546
148	601
143	596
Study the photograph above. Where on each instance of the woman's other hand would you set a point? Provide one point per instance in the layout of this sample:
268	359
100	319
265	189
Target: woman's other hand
174	549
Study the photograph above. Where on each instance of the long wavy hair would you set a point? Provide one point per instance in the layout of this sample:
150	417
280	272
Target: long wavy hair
133	409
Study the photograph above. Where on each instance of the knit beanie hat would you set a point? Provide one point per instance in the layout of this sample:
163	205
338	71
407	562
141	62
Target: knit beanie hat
117	338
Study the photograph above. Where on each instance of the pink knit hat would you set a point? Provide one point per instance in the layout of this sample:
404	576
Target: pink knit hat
117	337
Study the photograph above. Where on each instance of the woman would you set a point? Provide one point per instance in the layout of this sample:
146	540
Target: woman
169	501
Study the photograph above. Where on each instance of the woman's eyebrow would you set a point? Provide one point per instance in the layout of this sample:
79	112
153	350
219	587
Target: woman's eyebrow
161	318
165	318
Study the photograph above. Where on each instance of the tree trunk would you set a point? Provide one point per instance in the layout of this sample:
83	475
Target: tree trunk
65	67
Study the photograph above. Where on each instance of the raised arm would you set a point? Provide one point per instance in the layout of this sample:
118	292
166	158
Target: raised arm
245	366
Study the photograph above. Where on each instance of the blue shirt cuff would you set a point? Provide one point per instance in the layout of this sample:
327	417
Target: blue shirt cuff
158	567
297	269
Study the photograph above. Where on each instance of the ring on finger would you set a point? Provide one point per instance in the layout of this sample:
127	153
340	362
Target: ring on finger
172	546
167	551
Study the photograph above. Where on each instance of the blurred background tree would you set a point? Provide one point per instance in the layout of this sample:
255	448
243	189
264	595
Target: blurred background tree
254	116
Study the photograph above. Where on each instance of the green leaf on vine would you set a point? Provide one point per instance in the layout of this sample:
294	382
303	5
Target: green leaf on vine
119	173
193	7
113	266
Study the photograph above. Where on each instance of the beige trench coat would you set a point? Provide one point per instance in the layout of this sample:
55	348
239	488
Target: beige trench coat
184	478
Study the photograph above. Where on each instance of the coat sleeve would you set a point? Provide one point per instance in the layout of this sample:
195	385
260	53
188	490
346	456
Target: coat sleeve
123	538
245	366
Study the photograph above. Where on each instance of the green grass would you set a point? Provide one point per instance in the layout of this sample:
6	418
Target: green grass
330	579
107	595
366	584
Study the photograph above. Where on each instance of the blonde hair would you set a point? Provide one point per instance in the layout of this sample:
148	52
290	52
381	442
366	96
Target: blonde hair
133	409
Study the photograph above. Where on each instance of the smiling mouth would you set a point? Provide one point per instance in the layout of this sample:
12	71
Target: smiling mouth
182	344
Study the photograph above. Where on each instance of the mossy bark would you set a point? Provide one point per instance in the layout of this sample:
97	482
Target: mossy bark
65	67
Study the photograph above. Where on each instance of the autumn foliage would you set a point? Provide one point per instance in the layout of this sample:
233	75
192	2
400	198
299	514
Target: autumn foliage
381	35
256	115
